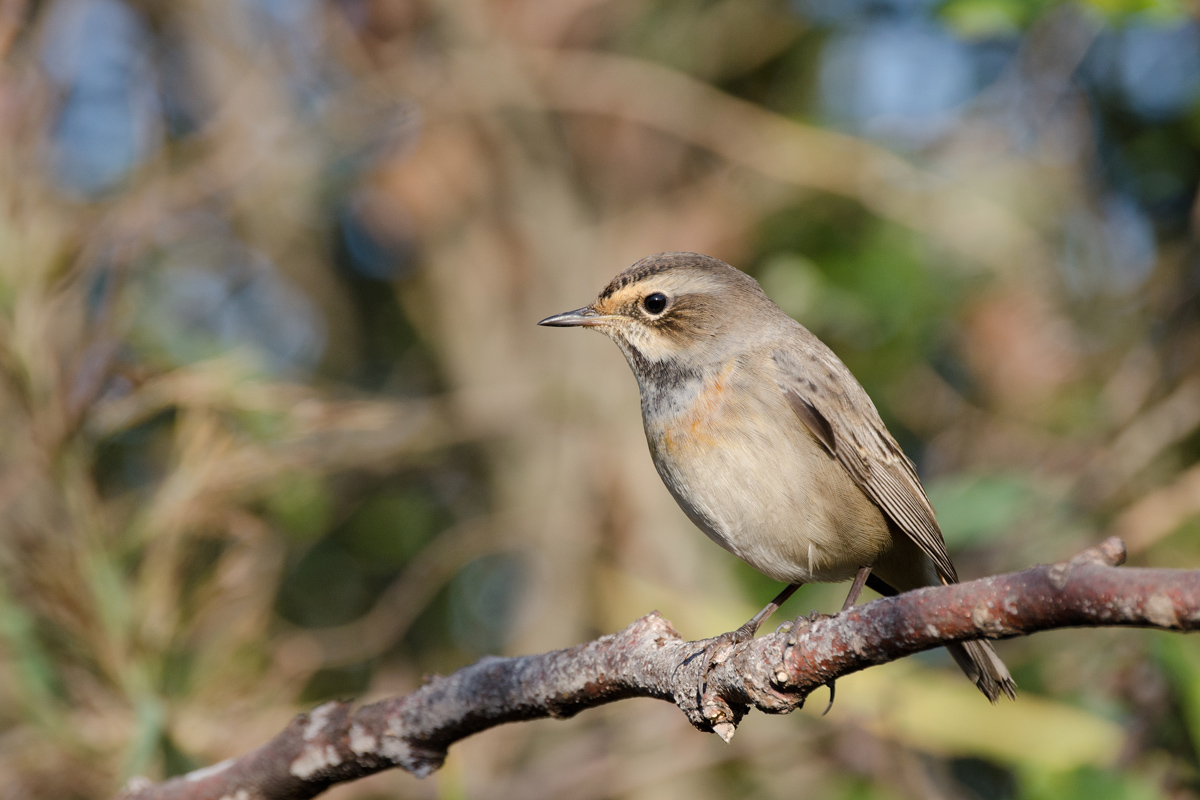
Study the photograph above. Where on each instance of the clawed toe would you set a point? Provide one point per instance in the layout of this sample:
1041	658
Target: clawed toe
832	691
719	648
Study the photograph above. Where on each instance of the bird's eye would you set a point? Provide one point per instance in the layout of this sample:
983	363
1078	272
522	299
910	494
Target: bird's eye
654	303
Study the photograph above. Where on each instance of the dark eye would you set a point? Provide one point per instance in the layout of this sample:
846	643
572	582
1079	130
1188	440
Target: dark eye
654	303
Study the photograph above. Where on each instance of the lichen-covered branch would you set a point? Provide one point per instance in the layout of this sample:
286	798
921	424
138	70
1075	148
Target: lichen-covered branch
775	673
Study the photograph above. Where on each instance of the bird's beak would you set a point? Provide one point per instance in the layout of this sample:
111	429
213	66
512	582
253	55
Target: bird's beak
586	317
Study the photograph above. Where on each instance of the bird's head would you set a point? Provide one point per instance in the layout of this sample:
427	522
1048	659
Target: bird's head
681	309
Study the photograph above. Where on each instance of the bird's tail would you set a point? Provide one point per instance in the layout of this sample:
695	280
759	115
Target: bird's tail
976	658
981	664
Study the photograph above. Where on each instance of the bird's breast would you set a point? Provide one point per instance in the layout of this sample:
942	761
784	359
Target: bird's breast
734	456
694	414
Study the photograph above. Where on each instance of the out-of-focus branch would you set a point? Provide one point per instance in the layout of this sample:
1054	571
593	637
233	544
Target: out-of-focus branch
408	594
1161	512
773	673
1159	427
746	135
780	148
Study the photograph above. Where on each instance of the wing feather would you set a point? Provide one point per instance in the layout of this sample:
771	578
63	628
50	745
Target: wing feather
831	403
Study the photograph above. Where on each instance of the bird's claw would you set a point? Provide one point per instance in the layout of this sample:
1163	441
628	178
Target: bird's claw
832	690
816	616
718	650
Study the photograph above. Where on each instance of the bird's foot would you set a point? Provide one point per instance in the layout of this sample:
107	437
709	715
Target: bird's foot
719	648
804	622
717	711
817	616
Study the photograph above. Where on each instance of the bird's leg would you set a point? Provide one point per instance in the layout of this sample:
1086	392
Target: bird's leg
860	580
747	631
717	649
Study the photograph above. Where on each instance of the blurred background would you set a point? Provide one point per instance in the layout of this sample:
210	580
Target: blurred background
277	426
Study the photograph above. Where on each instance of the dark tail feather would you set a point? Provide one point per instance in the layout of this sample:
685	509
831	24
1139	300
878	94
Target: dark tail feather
977	659
981	664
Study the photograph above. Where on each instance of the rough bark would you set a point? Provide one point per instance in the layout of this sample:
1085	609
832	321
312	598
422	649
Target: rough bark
775	673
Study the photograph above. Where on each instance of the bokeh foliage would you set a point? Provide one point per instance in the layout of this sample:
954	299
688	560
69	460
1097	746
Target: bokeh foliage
276	425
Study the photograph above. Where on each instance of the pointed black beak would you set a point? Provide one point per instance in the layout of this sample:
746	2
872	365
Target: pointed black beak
579	318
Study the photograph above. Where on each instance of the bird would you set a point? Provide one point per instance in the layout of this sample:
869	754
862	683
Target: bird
769	443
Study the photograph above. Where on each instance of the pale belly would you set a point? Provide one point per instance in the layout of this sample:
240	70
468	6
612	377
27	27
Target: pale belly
769	494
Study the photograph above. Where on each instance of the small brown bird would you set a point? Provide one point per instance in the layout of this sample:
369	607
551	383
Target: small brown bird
769	444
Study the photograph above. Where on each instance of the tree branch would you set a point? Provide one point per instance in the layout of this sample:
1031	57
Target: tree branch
337	742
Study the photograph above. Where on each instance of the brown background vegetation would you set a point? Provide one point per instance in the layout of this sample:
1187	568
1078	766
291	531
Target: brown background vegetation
276	424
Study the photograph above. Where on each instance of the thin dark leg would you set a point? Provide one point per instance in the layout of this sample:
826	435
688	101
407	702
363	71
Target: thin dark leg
770	608
856	588
860	580
746	632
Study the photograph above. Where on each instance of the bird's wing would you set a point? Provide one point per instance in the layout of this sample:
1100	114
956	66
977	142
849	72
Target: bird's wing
837	411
